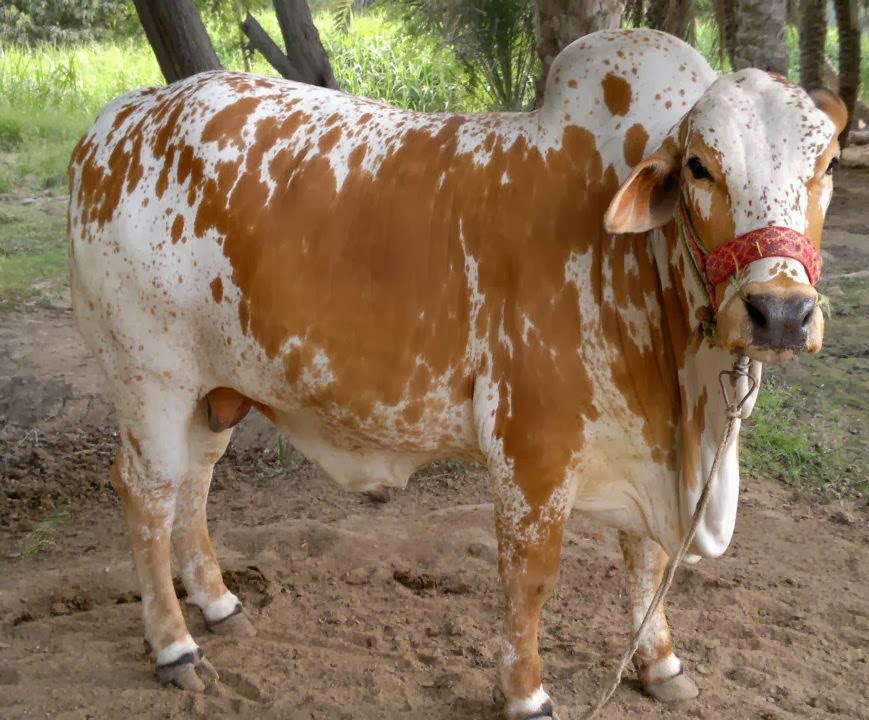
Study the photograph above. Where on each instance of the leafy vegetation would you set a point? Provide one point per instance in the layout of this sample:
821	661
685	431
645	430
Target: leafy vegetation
494	42
777	442
376	58
35	21
45	534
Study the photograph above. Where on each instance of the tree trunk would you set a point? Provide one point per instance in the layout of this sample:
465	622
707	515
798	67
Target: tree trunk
260	41
673	16
725	18
175	31
302	41
848	20
760	35
813	32
831	80
557	23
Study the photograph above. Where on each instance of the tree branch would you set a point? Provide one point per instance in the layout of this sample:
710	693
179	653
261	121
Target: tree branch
260	41
302	41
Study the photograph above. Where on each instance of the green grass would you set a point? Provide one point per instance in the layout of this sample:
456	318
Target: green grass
49	95
374	57
74	78
35	146
32	247
19	272
45	534
780	441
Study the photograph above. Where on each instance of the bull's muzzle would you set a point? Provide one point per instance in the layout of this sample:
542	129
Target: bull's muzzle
781	323
761	286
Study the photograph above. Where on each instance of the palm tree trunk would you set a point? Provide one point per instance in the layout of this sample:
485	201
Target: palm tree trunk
557	23
760	35
848	20
813	32
725	19
673	16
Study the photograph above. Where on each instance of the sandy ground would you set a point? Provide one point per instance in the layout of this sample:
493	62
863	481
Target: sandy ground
391	611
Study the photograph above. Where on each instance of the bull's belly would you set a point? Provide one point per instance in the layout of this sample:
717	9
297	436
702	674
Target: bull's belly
355	460
362	436
371	454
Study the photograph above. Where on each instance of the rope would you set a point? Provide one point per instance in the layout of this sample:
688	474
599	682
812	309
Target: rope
734	411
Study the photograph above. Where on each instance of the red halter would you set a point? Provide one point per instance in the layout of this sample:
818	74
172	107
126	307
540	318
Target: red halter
716	266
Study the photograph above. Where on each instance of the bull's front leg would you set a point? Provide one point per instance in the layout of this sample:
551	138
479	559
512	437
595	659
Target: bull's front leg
530	525
659	670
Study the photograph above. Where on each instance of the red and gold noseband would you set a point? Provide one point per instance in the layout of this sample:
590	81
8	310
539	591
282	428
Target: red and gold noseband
717	266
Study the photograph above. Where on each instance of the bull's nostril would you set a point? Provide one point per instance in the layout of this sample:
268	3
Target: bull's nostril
807	318
755	311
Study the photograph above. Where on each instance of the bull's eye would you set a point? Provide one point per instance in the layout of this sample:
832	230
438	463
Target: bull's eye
697	169
834	163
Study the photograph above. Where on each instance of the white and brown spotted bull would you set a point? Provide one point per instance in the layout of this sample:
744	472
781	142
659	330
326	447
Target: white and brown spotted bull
551	293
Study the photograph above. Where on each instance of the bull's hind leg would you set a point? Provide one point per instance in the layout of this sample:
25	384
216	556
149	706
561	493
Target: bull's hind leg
659	670
530	527
200	571
153	458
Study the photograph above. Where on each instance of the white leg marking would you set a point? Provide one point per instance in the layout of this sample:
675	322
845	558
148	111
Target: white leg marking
220	608
175	650
663	669
530	706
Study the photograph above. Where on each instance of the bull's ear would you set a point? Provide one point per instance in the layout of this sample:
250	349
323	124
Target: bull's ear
831	104
647	199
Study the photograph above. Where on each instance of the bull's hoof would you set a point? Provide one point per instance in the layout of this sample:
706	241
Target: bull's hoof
236	624
378	496
182	672
679	687
520	711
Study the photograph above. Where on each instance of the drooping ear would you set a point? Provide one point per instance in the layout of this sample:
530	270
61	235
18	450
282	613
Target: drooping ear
830	103
647	199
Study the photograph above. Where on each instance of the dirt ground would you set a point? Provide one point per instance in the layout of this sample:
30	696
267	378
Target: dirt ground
390	610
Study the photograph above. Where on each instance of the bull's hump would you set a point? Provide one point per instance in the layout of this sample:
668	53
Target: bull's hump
628	88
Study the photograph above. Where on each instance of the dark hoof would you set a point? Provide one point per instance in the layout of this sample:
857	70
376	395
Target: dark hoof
379	496
182	672
235	624
546	712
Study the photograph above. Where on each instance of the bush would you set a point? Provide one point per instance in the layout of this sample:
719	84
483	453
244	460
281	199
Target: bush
33	21
377	58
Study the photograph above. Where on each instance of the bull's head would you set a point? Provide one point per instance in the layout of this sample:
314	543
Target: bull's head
746	175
